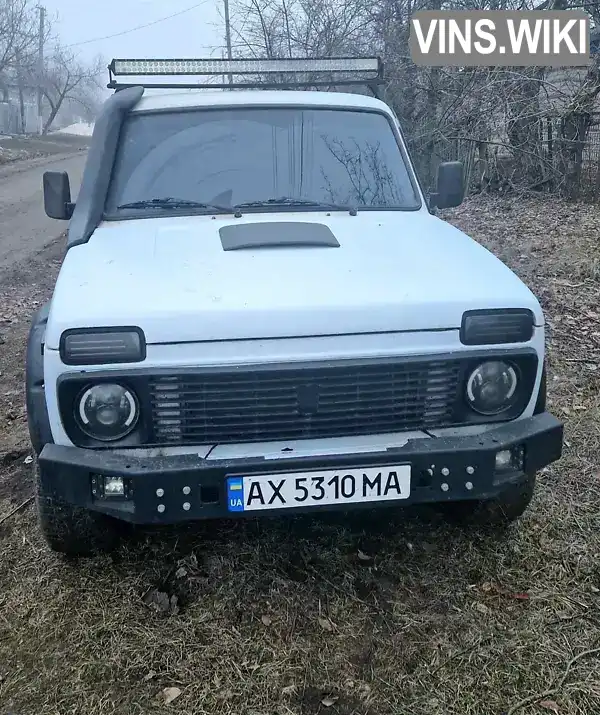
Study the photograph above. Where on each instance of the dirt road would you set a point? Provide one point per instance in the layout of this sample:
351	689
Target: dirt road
24	227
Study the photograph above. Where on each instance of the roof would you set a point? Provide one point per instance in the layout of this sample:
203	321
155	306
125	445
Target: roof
173	99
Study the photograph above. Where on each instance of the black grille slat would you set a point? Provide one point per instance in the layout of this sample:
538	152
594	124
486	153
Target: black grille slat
192	390
271	404
216	403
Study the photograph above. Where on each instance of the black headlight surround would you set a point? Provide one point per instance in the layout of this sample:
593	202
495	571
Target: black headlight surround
131	354
71	386
525	364
497	326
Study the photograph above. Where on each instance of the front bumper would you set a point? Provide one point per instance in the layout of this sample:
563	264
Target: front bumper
191	488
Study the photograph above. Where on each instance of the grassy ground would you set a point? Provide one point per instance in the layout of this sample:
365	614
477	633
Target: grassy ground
376	615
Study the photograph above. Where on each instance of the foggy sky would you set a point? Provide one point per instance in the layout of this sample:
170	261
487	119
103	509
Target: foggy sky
198	33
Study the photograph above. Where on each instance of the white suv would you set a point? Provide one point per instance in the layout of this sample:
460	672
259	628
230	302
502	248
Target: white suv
258	312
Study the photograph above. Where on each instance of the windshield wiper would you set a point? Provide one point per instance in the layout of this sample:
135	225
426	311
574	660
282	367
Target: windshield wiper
290	201
168	202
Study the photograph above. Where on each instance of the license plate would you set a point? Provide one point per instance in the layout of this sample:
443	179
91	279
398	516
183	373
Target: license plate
310	489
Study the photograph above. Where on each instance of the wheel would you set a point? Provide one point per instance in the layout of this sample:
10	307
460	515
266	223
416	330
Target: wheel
499	511
72	530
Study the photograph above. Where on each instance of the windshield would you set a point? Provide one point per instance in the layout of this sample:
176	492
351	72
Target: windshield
224	157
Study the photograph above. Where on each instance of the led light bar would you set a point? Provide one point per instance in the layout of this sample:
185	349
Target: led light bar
371	69
259	66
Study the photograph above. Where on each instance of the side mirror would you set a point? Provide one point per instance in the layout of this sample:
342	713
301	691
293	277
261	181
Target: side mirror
57	195
450	185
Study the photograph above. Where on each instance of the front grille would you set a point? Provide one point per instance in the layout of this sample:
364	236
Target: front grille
260	405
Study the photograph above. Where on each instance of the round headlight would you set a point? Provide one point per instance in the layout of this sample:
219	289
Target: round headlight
492	387
107	411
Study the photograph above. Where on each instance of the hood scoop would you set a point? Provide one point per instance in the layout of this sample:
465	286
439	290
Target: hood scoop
276	234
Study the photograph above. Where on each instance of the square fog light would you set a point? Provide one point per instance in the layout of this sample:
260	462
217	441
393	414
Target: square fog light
114	487
510	460
109	487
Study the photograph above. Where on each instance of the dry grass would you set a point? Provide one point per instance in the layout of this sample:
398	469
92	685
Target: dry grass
282	616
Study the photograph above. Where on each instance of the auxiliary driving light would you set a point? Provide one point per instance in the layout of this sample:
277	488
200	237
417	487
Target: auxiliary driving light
109	487
509	459
354	70
114	487
243	66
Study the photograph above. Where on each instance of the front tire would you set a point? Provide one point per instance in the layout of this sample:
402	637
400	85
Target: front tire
71	530
500	511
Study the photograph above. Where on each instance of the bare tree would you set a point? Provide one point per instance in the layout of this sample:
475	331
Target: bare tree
67	79
575	123
497	118
18	35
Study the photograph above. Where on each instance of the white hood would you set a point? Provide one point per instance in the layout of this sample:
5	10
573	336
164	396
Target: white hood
393	271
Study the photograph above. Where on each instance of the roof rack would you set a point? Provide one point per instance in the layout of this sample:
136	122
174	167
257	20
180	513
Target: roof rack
291	72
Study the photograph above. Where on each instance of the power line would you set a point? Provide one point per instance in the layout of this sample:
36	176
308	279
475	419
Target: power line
140	27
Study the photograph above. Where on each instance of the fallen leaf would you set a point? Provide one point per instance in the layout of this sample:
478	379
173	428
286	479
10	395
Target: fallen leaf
289	690
482	608
549	705
521	596
328	702
168	695
363	557
266	620
151	674
325	624
180	573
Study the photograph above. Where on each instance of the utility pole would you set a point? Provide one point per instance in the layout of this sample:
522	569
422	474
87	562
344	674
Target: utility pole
42	32
228	35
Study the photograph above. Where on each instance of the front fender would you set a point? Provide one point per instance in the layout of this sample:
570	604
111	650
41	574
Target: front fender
40	433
